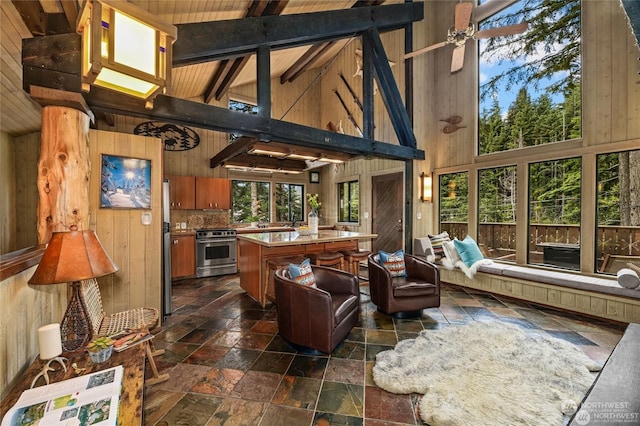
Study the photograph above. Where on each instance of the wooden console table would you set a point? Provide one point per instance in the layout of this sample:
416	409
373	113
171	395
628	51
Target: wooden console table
132	359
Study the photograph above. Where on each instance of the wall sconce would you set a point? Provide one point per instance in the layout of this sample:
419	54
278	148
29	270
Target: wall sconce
125	48
426	187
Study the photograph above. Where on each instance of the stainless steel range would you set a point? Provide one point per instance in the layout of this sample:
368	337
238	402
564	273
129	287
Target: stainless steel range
216	251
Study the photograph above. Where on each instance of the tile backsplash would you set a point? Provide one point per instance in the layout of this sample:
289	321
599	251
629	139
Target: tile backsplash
199	220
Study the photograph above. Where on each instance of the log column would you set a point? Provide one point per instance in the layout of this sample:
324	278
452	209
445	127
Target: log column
63	171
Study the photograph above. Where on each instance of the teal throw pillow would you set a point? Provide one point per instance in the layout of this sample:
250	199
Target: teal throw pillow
302	273
468	250
393	262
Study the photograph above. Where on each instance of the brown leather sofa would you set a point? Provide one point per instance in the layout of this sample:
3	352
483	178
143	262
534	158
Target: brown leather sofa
317	318
404	297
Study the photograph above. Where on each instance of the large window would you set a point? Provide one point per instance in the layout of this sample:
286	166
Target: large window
554	213
289	206
454	203
497	212
250	201
618	191
530	83
348	201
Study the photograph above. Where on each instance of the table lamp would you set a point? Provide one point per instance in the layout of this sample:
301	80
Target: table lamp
73	256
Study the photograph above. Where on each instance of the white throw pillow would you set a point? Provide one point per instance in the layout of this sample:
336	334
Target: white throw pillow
628	278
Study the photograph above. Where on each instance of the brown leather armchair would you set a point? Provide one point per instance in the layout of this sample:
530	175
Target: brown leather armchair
404	297
317	318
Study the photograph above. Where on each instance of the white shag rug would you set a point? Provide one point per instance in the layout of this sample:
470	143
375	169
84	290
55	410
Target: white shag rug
487	374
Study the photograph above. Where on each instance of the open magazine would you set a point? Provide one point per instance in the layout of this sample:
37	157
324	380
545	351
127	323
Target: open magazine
86	400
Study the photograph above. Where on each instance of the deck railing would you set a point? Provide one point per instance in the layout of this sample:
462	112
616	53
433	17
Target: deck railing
500	238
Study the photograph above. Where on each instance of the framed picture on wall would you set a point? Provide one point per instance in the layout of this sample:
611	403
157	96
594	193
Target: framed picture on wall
125	182
314	177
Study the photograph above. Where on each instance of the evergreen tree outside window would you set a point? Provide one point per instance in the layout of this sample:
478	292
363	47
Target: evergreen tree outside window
530	90
453	193
289	202
497	211
618	195
554	213
349	202
249	201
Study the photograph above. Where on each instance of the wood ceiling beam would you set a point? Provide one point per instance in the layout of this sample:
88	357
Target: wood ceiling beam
70	8
33	15
371	42
196	114
312	54
251	161
211	41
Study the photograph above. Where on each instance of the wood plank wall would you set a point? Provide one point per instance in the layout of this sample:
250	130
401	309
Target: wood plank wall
25	308
8	197
134	247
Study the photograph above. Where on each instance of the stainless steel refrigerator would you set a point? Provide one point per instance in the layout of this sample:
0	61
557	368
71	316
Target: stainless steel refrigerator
166	251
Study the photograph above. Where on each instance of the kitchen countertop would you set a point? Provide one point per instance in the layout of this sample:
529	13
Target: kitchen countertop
275	239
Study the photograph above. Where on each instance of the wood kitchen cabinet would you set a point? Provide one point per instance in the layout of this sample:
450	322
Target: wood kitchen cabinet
183	255
213	193
182	193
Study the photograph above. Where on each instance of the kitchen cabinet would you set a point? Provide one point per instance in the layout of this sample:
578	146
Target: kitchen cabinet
182	192
183	255
213	193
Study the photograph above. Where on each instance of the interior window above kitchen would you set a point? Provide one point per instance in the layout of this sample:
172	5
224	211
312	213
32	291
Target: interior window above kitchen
530	83
289	206
249	201
348	201
247	107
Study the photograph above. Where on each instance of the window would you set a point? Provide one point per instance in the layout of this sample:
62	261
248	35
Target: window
497	212
454	203
247	107
530	83
348	201
250	201
554	213
618	195
289	206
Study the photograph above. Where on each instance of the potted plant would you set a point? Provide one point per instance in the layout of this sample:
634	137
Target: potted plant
253	220
100	349
314	204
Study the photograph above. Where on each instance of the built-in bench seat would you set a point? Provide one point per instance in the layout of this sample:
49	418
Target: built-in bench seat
595	296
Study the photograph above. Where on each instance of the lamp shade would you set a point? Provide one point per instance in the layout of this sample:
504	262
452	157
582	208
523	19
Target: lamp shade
73	256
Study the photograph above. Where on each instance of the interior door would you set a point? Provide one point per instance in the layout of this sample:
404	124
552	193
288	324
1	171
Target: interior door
387	212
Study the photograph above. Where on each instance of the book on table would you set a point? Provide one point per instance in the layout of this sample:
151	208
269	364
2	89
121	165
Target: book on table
85	400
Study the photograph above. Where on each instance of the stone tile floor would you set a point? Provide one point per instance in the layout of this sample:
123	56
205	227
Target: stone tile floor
228	365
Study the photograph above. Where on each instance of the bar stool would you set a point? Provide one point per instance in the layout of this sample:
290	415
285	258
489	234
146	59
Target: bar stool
271	265
332	259
353	259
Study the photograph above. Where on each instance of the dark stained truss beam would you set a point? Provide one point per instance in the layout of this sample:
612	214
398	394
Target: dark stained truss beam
196	114
41	23
217	40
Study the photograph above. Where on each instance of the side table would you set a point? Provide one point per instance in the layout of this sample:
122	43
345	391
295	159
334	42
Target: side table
132	359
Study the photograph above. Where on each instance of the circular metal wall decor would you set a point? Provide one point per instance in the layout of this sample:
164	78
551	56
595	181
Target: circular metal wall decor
174	136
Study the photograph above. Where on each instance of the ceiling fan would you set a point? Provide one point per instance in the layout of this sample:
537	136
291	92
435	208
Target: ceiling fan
464	30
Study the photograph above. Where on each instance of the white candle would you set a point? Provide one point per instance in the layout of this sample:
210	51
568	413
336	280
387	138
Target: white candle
49	341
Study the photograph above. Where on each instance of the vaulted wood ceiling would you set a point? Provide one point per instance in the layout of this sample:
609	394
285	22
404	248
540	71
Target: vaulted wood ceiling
202	82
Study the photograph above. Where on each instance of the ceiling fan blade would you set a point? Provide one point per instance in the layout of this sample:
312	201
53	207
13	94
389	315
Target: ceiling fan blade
425	49
463	15
457	59
502	31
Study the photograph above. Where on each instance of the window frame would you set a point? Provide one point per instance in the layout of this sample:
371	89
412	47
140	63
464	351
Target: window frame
339	200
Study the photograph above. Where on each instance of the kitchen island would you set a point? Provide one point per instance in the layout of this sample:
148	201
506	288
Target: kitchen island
256	248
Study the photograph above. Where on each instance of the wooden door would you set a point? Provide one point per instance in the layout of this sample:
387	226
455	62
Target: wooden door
387	212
